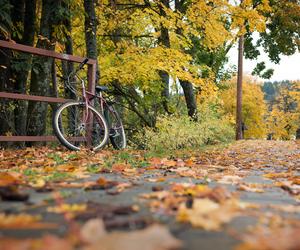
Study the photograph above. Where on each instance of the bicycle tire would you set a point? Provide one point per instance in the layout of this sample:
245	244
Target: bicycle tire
117	135
69	115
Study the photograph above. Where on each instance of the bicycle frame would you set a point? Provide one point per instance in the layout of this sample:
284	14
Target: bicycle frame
88	98
93	116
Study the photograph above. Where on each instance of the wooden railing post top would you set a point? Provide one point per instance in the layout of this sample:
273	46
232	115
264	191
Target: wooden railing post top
44	52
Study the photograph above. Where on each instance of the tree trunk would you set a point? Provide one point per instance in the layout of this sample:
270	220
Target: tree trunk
21	75
90	27
190	98
187	87
298	134
68	67
41	72
164	40
6	115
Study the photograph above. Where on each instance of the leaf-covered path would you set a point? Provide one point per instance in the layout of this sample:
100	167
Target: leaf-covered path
245	196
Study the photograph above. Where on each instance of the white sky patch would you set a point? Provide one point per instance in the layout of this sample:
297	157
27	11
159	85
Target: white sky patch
287	69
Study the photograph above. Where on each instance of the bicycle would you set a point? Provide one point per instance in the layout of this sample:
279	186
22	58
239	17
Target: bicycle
79	123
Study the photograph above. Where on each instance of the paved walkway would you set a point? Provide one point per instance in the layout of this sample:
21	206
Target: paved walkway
259	179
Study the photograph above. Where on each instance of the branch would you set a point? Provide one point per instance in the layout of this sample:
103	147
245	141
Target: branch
129	36
131	104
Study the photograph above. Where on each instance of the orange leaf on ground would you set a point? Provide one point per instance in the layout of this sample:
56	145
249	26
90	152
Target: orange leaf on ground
66	167
16	221
7	179
155	161
250	187
119	167
278	175
67	208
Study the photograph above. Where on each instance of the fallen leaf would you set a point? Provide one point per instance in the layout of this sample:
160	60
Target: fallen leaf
288	186
157	188
155	237
155	161
101	184
277	175
105	211
156	195
7	179
263	238
288	208
67	208
230	179
38	183
92	231
208	214
250	187
66	167
160	179
119	167
12	193
169	163
16	221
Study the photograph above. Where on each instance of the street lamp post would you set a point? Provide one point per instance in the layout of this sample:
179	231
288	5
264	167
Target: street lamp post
239	118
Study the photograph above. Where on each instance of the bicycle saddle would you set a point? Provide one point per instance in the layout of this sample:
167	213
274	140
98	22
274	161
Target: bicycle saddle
101	88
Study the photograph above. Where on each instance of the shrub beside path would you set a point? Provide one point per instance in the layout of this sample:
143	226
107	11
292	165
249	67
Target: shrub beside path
244	196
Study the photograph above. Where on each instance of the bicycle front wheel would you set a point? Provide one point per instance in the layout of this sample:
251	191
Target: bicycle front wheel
116	129
77	126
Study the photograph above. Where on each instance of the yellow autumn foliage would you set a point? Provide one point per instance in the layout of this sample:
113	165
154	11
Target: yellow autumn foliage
254	107
128	37
284	117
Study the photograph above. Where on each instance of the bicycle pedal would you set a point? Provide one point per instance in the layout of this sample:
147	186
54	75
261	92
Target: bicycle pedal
113	133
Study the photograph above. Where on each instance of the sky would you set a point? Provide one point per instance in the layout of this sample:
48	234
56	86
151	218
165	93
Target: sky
287	69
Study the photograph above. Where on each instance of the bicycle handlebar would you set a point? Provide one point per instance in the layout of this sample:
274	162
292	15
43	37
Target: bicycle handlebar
83	63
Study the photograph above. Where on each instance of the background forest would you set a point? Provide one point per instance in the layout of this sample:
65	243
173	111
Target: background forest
164	62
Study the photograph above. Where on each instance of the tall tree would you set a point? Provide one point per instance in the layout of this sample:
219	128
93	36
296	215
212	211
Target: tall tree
90	28
188	89
68	67
281	36
284	112
254	107
22	61
41	70
6	115
164	41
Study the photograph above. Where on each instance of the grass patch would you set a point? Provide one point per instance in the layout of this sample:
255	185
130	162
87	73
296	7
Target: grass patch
30	172
57	158
58	176
93	168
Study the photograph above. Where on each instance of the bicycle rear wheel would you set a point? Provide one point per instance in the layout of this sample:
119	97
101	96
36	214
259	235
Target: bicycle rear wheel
116	129
77	125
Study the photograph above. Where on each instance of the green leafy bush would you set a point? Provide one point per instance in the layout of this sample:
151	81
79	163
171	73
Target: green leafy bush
180	132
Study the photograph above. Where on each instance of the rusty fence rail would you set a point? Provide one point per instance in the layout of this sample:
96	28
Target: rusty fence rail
48	53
